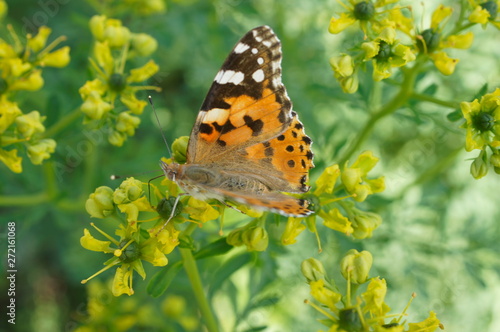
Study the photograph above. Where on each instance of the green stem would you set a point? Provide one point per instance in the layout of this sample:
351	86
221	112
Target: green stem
434	100
195	280
393	105
24	200
63	123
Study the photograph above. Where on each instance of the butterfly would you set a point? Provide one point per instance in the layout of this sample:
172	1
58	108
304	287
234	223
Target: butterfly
247	144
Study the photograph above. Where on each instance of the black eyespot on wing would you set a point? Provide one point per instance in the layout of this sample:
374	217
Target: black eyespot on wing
299	126
309	155
303	163
221	143
291	163
225	128
281	137
294	134
289	148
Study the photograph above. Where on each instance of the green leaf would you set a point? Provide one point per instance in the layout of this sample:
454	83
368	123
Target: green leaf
226	270
430	90
455	115
215	248
163	278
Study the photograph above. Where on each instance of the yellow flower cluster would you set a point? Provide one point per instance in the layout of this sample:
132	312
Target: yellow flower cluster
383	27
370	311
336	213
105	97
482	124
133	246
20	69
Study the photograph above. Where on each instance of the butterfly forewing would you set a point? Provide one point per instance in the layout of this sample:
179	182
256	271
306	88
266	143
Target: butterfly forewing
247	103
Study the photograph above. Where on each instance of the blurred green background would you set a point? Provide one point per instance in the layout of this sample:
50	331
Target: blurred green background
441	229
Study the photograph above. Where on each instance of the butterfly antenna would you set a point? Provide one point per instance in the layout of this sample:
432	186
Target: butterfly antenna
159	125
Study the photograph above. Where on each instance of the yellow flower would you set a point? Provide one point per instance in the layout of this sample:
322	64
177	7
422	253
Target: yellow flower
143	44
143	73
95	107
444	63
293	228
91	243
100	203
135	105
9	111
255	238
364	223
386	53
374	297
41	150
336	221
128	191
431	323
59	58
32	82
324	295
482	121
97	26
326	181
485	12
439	15
116	34
430	42
38	42
30	124
363	11
127	123
355	178
200	210
11	160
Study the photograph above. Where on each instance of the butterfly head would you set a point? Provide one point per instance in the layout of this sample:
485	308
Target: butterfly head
171	170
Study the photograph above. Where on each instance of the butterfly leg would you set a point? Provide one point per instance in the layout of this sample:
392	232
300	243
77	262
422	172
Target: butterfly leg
171	213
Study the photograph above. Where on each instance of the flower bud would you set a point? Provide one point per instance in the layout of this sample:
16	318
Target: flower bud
3	9
116	34
129	190
349	84
355	266
428	41
313	269
179	149
30	124
41	150
479	167
364	224
255	238
343	66
116	138
364	10
127	123
117	82
143	44
234	238
495	160
100	203
97	25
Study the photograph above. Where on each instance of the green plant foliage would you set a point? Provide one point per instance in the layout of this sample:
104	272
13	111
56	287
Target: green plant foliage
401	100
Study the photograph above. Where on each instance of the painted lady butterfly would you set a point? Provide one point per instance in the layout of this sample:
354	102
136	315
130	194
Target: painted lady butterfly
247	145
